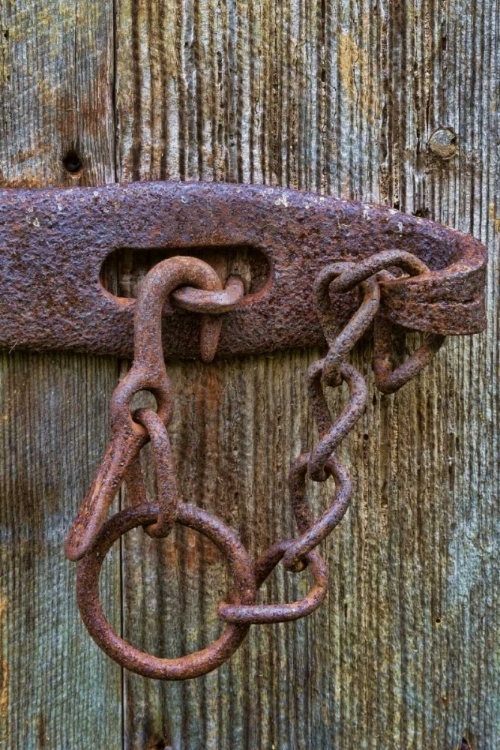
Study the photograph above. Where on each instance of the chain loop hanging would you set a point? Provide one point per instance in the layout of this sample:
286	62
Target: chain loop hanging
195	286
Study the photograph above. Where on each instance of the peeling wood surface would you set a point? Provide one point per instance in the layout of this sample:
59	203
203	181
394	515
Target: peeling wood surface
340	97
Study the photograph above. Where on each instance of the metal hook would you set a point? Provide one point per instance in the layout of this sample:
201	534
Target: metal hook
148	372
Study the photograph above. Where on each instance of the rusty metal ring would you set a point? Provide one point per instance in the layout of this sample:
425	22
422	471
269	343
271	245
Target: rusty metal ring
211	303
344	423
261	614
166	480
389	379
140	377
340	344
184	667
358	272
314	532
371	299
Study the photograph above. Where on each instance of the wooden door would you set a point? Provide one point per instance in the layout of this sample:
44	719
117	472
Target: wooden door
388	102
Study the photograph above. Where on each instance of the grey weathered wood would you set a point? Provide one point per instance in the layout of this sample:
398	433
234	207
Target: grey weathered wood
56	69
57	72
339	97
57	691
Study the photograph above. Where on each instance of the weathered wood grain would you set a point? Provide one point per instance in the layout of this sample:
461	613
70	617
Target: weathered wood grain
56	97
56	690
339	97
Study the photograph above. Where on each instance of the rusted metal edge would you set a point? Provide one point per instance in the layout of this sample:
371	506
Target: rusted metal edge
53	243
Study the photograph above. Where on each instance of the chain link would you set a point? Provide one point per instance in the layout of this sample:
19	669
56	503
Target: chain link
90	539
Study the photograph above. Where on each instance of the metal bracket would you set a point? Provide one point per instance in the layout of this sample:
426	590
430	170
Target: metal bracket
53	243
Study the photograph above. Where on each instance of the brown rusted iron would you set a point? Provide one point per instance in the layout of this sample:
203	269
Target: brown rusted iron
388	379
313	533
184	667
53	243
342	277
194	285
199	301
266	614
353	331
166	480
147	373
332	437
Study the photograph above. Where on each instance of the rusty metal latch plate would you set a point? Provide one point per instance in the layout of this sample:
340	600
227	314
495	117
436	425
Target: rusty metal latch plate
53	243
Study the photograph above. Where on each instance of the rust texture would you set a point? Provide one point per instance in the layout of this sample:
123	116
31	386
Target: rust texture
148	372
53	243
181	668
196	285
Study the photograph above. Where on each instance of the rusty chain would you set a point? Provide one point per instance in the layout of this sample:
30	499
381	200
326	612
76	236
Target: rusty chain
194	286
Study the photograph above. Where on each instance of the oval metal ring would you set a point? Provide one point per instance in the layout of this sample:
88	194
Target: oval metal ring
166	480
358	272
336	432
184	667
211	303
258	614
314	532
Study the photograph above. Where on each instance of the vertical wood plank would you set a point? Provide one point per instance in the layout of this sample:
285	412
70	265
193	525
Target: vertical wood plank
57	690
56	104
343	97
56	97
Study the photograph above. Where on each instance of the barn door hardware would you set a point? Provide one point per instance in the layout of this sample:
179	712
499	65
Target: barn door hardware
54	244
335	270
